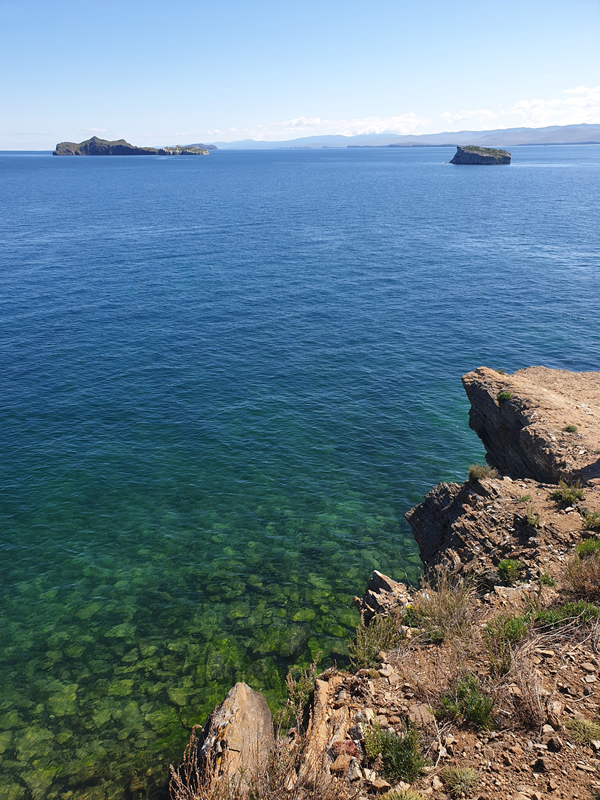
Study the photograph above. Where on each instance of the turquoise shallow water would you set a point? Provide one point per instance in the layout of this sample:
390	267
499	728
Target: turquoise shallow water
224	382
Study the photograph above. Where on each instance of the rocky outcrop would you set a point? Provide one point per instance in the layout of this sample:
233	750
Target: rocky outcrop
102	147
538	423
180	150
382	594
473	154
238	738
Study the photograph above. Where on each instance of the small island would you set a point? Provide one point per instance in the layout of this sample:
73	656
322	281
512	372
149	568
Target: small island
102	147
472	154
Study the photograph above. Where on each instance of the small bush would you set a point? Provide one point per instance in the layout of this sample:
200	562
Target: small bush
501	634
401	755
546	579
532	518
510	570
583	731
460	781
445	608
592	520
468	701
561	615
588	547
503	396
300	684
525	498
479	471
583	574
402	794
570	429
370	640
567	493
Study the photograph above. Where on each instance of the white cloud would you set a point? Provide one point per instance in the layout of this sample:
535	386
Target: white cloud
581	104
482	116
316	126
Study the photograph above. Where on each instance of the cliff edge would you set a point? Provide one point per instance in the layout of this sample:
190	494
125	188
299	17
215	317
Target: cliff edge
538	423
473	154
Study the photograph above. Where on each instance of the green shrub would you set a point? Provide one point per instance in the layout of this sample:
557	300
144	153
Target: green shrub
592	520
478	471
532	518
561	615
583	731
401	755
546	579
381	634
468	701
567	493
588	547
501	634
503	396
510	570
525	498
570	429
459	781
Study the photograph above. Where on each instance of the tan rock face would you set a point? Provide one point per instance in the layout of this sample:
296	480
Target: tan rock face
524	435
238	736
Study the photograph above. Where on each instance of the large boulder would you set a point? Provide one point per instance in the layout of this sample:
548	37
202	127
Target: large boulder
237	739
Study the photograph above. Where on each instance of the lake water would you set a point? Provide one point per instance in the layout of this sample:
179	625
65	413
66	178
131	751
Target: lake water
224	382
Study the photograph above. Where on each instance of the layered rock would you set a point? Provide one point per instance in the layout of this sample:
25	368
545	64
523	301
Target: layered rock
538	423
102	147
473	154
237	738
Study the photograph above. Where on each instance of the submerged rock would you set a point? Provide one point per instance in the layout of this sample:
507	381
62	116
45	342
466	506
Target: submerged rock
472	154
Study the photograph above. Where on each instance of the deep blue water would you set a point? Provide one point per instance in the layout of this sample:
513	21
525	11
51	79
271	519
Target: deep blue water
224	382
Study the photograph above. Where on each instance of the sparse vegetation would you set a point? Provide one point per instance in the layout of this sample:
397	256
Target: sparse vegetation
583	731
445	608
525	498
588	547
479	471
546	579
460	781
583	571
370	640
467	700
503	396
501	635
567	493
592	520
510	570
401	755
300	685
532	517
570	429
568	612
403	794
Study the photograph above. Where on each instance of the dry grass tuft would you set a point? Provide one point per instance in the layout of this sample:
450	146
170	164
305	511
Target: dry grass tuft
446	607
583	576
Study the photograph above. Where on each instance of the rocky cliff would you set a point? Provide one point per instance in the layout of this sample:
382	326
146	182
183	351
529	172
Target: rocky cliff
538	423
102	147
484	682
473	154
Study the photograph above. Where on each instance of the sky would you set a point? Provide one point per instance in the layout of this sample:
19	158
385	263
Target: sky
159	73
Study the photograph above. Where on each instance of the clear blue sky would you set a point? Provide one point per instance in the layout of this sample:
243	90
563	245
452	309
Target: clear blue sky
161	73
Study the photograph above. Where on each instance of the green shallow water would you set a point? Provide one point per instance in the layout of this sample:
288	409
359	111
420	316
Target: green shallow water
225	380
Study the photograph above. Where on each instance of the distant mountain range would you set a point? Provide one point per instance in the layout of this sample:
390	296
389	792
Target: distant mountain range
503	137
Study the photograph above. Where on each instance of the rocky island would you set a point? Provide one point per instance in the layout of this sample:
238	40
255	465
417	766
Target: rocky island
472	154
102	147
481	684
